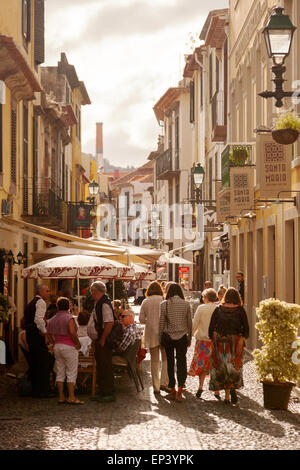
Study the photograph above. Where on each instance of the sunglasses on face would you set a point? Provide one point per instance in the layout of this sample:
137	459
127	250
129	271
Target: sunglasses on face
123	316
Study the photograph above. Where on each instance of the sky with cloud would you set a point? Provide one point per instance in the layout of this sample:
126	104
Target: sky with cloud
128	53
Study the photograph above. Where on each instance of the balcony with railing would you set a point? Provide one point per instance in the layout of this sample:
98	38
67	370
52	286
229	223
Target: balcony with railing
48	207
218	117
164	166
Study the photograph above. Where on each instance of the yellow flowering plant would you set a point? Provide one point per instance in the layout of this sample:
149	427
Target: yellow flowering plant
288	121
278	325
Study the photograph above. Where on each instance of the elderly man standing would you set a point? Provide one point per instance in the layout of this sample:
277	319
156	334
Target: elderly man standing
39	356
104	315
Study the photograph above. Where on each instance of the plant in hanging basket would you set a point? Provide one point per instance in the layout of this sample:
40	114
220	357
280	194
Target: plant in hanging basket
287	128
278	324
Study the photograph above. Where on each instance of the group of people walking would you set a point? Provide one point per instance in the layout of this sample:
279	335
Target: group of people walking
220	327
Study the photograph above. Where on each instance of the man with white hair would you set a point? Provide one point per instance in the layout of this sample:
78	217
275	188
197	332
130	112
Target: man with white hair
131	331
39	356
104	315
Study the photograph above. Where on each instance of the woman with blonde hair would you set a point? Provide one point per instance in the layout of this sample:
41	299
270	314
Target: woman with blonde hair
149	315
228	331
200	365
221	292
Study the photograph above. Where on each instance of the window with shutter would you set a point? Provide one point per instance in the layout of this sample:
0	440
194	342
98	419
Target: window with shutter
217	74
170	143
201	88
1	142
210	178
26	10
39	31
35	161
177	143
13	153
192	102
25	159
210	77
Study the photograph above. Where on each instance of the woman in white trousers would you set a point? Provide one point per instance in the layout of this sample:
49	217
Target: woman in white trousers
149	316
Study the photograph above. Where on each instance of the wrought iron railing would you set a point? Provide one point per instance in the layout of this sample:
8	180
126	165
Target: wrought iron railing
47	199
164	163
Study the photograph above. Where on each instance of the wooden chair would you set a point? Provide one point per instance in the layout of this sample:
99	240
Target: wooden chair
129	361
87	366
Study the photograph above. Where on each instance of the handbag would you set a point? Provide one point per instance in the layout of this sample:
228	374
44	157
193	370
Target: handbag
115	336
91	327
165	337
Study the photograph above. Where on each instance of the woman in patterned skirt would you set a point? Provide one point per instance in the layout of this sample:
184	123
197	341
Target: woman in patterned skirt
228	331
200	365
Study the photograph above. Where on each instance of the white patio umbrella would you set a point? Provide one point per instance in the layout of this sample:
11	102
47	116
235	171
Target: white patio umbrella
78	267
143	273
167	258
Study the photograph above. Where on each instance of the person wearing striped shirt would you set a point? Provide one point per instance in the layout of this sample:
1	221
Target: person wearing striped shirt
176	321
131	331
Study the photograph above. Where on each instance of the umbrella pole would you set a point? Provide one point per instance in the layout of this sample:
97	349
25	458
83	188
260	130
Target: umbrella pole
78	294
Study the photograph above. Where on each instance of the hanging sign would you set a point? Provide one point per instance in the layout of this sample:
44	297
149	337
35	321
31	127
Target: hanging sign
222	203
241	189
274	162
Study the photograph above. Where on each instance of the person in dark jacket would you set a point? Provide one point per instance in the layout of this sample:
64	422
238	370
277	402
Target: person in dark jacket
39	356
228	331
103	353
241	281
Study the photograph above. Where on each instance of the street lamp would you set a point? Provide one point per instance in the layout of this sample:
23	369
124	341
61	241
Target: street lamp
278	36
198	172
93	190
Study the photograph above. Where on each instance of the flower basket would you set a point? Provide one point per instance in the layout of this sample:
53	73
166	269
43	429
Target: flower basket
285	136
278	324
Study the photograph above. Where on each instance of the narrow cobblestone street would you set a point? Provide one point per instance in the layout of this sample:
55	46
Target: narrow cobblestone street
142	421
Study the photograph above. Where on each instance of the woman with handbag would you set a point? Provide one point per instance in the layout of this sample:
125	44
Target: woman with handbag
228	331
175	332
149	316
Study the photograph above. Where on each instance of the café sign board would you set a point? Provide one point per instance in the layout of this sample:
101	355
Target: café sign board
222	203
274	162
241	189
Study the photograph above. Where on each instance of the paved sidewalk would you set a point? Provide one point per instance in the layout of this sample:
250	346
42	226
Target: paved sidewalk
144	421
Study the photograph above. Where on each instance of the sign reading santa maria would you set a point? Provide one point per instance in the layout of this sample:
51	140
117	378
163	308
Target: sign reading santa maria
241	189
274	166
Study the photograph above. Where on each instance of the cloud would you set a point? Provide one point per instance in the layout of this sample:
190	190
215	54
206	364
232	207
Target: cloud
138	17
128	52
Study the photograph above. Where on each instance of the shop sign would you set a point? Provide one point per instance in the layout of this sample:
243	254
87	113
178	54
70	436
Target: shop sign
184	269
241	189
79	215
275	173
222	203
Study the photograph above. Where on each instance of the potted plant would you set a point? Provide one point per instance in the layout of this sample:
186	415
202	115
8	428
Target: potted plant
278	324
239	155
287	128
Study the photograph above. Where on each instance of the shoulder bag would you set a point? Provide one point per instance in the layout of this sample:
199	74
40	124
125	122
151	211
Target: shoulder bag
165	337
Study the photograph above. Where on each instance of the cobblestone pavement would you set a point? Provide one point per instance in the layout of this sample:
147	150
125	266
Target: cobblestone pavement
143	421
